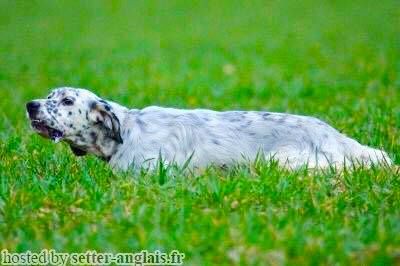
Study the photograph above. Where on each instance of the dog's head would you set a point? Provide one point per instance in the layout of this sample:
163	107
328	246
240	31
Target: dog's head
79	117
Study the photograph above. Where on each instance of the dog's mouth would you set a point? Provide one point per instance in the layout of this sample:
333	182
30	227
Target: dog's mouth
45	131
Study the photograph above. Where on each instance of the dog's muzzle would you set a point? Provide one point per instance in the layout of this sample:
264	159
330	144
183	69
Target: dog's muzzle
41	126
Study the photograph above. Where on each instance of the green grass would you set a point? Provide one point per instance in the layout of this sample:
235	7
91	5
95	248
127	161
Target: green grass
336	60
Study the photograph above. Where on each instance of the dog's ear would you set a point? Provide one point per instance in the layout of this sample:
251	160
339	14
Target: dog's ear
102	113
77	151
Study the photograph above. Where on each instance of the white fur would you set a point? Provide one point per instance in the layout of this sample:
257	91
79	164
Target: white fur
226	138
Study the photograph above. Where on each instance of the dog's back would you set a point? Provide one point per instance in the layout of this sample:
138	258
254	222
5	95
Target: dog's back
223	138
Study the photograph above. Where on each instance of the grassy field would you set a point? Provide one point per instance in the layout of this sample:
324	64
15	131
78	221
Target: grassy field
336	60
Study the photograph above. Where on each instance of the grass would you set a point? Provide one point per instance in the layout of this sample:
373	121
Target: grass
336	60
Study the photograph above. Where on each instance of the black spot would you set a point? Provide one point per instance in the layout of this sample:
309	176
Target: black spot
93	105
69	113
282	119
107	159
93	135
174	135
140	123
107	108
265	115
80	111
216	142
275	133
247	124
71	125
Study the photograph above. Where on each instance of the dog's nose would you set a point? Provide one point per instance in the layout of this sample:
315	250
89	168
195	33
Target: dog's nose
32	108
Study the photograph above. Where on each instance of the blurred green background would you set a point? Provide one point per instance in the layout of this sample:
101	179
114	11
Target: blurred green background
336	60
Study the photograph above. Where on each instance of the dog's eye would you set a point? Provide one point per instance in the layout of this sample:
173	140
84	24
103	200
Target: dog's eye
67	101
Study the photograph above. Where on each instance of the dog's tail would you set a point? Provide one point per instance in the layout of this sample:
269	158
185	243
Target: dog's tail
369	156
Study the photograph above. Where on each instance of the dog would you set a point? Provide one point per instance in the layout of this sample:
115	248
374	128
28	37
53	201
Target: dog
135	138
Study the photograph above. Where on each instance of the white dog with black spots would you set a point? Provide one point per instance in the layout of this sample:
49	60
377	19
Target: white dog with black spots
134	138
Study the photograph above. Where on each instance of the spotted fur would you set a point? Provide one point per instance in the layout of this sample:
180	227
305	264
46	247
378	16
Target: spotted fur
132	138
